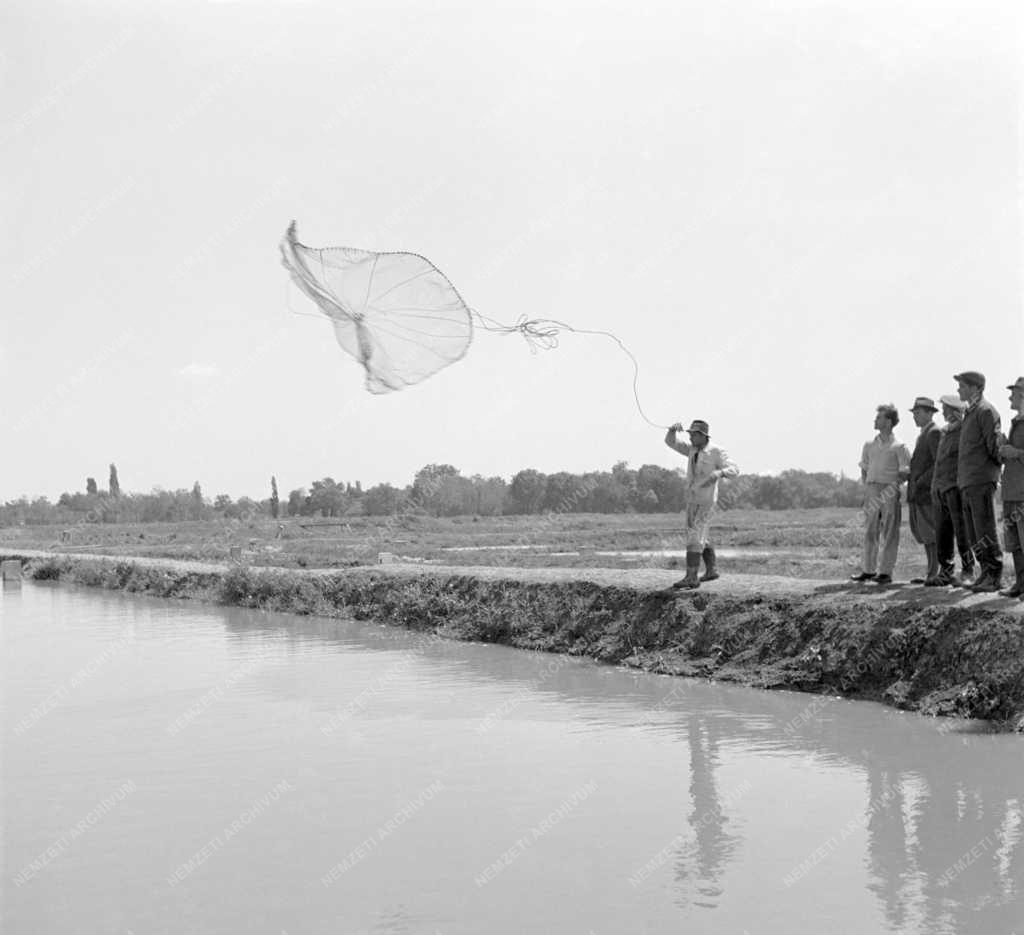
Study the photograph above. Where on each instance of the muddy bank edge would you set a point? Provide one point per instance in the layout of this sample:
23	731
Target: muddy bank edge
935	658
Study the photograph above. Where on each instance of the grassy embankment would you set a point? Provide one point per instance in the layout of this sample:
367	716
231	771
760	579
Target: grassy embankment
938	653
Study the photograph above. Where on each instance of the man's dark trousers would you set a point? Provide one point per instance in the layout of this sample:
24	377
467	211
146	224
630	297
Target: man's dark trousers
980	520
950	528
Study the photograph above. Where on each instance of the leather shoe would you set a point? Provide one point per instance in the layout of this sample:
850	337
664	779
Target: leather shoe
863	576
918	580
986	584
883	579
937	581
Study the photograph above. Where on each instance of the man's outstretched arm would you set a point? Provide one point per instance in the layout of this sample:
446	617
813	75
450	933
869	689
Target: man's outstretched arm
673	442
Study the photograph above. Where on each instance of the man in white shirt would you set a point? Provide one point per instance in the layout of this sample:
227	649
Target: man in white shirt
705	466
884	466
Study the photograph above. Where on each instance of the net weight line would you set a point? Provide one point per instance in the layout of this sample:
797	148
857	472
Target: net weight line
541	334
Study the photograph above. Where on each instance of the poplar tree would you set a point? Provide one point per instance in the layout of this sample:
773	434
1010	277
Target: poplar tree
197	501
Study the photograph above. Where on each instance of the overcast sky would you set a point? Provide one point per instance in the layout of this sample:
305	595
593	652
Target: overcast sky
789	211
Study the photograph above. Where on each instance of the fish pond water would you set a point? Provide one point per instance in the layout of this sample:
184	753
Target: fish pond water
172	767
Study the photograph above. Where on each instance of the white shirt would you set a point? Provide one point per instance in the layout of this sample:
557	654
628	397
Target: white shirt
700	465
883	462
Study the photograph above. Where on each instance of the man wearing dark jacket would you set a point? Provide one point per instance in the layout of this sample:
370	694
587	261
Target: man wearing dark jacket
977	476
919	487
949	511
1012	453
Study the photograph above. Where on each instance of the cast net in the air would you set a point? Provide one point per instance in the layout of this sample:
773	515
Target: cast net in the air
400	317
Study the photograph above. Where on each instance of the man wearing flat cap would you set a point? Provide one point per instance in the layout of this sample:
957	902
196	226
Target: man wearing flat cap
950	530
705	466
977	475
884	466
1012	453
919	486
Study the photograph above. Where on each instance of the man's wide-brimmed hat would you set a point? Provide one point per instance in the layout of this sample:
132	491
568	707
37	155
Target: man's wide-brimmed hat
953	401
699	425
924	402
972	377
1019	385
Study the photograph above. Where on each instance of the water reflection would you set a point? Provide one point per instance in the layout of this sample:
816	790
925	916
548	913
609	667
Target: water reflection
705	853
942	813
810	805
944	850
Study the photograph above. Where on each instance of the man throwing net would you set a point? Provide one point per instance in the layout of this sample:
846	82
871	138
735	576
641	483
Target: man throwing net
705	466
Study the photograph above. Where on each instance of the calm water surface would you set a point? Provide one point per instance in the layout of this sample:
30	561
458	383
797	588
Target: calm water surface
176	768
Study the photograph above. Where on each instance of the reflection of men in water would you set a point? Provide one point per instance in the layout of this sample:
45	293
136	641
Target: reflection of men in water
887	841
703	858
705	466
924	817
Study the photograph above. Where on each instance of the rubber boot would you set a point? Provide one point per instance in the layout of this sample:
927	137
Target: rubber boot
692	567
710	571
1017	588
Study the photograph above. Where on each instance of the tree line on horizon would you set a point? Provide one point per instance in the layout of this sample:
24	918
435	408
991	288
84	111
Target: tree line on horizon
442	490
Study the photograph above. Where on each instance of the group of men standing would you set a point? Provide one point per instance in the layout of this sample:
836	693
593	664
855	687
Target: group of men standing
951	476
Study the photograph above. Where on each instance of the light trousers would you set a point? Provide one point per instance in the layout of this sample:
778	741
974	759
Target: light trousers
882	515
698	525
